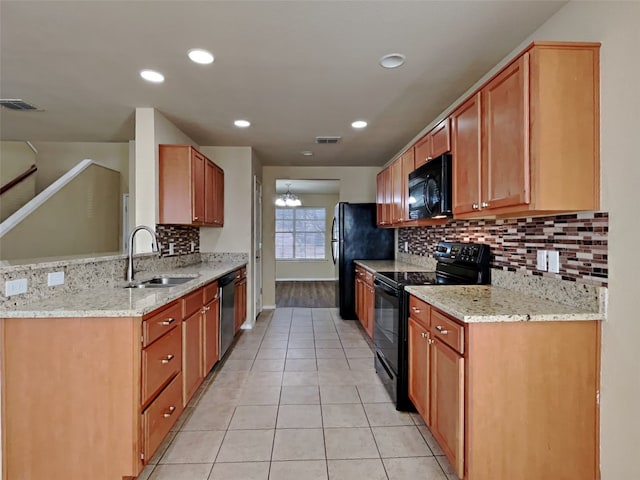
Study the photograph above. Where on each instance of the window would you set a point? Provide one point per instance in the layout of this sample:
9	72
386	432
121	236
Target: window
300	233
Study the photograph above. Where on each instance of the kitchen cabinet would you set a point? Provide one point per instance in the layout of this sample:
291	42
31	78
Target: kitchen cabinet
384	197
210	326
191	188
393	191
435	143
528	141
240	299
507	399
192	371
365	298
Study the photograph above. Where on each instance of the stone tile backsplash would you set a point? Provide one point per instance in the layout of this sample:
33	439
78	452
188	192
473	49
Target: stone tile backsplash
185	239
581	240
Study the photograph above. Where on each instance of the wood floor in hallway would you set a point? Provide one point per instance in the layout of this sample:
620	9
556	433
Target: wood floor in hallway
320	294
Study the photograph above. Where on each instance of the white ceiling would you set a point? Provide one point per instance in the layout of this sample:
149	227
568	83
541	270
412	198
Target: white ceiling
295	69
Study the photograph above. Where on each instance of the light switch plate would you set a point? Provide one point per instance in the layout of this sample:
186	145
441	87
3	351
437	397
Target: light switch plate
55	278
542	260
554	261
193	246
406	247
15	287
171	247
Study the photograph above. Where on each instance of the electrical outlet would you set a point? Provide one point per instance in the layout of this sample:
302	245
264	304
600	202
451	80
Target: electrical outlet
55	278
171	247
193	246
542	260
15	287
554	261
406	247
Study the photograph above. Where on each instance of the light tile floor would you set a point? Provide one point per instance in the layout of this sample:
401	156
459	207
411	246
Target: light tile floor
297	399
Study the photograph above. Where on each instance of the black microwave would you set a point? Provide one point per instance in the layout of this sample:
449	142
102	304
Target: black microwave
430	189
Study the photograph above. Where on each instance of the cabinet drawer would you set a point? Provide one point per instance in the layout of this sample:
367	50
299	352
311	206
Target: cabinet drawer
192	303
160	322
420	311
447	330
158	419
210	292
161	361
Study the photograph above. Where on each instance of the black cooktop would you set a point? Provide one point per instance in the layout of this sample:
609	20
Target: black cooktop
399	279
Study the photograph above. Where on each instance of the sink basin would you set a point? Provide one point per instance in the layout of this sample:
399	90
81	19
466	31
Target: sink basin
161	282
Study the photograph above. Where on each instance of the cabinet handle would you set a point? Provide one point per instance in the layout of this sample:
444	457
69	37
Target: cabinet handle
429	158
431	341
206	309
423	335
484	205
441	330
475	206
416	310
170	412
167	360
168	321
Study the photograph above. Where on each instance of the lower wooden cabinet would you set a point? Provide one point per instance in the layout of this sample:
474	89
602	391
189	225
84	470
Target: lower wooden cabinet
210	332
192	371
507	400
240	295
160	416
364	298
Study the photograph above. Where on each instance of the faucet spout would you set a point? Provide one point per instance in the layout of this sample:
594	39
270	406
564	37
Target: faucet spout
154	248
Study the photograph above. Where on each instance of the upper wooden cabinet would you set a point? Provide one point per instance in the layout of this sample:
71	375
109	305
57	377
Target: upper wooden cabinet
383	197
191	188
433	144
528	141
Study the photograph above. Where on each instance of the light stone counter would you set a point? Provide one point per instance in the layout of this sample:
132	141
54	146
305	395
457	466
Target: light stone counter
391	266
484	303
115	301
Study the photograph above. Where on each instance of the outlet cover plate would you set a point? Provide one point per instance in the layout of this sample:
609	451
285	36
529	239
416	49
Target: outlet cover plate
55	278
15	287
541	264
554	262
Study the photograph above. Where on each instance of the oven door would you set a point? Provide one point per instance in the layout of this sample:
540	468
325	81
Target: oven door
386	334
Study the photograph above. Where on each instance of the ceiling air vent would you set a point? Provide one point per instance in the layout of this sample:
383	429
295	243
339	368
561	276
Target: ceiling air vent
323	140
17	104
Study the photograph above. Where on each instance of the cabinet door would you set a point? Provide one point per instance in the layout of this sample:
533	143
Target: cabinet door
219	197
209	192
408	165
419	368
388	196
192	374
440	139
422	150
197	184
505	168
370	307
379	198
240	301
211	321
447	403
396	189
466	156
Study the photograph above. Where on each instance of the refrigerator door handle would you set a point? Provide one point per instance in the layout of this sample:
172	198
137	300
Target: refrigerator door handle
334	246
333	230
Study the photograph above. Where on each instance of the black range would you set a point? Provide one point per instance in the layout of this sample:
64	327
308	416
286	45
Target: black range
457	264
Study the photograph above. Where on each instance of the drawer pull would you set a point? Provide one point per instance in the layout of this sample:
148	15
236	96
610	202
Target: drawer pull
475	206
168	321
484	205
167	360
431	341
423	335
416	310
441	330
170	412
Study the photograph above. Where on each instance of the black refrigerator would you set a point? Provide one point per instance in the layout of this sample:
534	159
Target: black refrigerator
355	236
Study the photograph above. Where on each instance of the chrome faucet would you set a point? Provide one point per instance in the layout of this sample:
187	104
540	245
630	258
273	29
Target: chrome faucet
154	248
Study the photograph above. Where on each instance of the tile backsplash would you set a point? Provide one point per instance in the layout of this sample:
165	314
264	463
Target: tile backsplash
185	239
581	240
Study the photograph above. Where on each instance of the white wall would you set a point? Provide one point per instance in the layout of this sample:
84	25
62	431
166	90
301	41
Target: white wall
236	235
357	185
615	24
312	269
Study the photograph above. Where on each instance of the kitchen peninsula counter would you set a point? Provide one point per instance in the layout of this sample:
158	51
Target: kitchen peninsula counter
116	301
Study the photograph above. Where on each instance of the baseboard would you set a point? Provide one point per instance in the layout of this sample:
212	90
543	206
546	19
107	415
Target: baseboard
268	307
306	279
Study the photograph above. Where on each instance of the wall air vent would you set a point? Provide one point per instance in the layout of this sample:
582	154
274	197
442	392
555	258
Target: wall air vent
323	140
18	104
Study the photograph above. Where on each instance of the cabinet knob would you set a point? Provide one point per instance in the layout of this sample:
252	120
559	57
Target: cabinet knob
416	310
168	321
423	335
429	158
196	217
485	205
170	412
475	206
167	359
441	330
430	341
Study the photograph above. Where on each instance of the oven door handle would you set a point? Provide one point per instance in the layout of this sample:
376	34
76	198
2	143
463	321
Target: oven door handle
379	285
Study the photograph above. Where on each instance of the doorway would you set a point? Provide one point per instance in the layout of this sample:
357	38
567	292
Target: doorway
257	246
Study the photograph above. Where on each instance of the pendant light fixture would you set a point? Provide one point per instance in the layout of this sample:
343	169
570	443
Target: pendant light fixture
288	199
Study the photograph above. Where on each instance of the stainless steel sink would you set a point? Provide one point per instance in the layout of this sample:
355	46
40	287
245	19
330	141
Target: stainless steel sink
161	282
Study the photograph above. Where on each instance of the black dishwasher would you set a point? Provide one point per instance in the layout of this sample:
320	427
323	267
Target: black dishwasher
227	314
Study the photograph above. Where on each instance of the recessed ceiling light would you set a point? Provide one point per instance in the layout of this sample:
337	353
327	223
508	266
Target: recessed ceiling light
392	60
359	124
306	153
242	123
152	76
199	55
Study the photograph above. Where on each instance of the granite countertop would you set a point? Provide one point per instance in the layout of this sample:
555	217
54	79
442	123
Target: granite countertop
123	302
391	266
484	303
